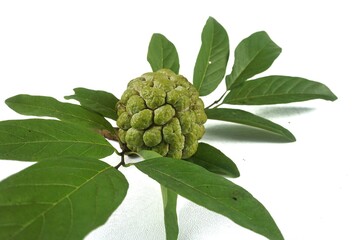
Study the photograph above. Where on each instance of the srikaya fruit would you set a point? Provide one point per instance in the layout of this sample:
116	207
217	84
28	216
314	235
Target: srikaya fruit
161	111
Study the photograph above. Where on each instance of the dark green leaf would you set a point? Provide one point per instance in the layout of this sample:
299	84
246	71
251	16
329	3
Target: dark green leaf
214	161
36	139
213	192
97	101
50	107
246	118
59	199
162	54
170	216
278	89
212	59
253	55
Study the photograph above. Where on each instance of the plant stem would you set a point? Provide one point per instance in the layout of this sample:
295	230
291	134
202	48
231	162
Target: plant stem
122	162
217	101
108	135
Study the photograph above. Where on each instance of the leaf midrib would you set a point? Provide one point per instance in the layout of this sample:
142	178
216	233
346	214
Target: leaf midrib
203	193
64	113
58	202
208	59
249	63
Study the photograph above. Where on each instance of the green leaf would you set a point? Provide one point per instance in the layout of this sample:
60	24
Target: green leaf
170	216
253	55
50	107
213	192
212	59
148	154
169	203
162	54
214	161
97	101
246	118
278	89
59	199
37	139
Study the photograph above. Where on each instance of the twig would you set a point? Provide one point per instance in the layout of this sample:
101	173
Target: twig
109	135
217	101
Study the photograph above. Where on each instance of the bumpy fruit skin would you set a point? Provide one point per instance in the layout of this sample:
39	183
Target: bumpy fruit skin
161	111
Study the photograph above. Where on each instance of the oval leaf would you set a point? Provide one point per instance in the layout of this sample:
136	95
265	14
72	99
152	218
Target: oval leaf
213	192
170	216
162	54
253	55
214	161
37	139
97	101
212	59
59	199
50	107
278	89
246	118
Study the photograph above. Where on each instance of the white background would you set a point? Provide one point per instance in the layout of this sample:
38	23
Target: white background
311	187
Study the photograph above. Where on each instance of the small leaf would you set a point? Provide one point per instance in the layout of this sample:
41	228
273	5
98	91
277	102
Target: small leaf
162	54
212	59
59	199
37	139
214	161
213	192
170	216
278	89
50	107
246	118
148	154
97	101
253	55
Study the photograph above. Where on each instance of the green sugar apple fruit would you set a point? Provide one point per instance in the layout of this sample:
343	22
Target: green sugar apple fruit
161	111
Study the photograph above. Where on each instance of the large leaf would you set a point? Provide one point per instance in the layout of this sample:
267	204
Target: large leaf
169	203
278	89
162	54
253	55
50	107
36	139
213	192
212	59
97	101
246	118
214	161
59	199
170	216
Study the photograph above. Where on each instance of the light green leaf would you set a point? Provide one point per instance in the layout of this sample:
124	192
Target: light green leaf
212	59
148	154
37	139
253	55
214	161
278	89
170	216
97	101
213	192
59	199
50	107
162	54
246	118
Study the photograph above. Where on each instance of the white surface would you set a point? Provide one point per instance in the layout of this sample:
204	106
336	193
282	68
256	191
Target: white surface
310	187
